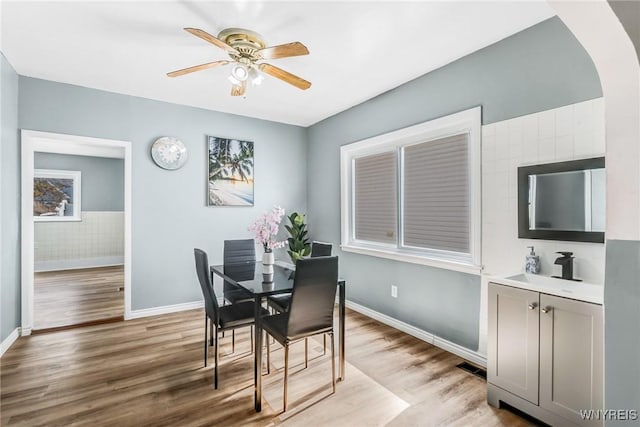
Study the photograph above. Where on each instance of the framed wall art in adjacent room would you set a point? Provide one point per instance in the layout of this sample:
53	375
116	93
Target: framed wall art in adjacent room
56	195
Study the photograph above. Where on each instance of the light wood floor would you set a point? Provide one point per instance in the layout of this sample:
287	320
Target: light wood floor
70	297
150	372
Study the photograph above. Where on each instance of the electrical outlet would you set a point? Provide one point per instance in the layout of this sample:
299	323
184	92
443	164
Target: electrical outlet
394	291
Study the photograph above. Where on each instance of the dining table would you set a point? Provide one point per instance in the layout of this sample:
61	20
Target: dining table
250	277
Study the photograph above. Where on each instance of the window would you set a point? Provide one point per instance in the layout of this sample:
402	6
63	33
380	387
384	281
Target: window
375	197
414	194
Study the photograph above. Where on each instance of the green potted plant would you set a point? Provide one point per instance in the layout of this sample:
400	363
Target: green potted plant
299	245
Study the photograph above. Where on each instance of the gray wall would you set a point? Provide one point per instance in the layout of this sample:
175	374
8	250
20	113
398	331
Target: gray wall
170	216
622	323
622	288
102	182
540	68
10	201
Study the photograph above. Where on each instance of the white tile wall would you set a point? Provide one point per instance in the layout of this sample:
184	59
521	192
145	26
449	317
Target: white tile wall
565	133
98	235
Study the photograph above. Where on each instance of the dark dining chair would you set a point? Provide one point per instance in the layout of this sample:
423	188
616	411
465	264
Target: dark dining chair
280	303
320	249
237	252
227	317
310	312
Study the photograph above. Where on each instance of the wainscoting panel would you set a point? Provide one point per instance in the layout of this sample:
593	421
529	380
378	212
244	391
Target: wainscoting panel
97	240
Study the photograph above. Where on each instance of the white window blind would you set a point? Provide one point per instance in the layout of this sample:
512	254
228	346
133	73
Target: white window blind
414	194
435	195
376	200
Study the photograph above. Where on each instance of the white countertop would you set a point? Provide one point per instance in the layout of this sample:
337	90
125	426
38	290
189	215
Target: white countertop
581	291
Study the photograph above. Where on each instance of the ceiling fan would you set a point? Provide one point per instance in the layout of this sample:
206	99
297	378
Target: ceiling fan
246	49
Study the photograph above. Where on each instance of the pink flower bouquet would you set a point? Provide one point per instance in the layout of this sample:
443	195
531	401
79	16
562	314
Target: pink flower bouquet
265	229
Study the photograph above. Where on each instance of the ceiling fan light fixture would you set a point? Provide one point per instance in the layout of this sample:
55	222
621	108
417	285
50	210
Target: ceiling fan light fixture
240	72
245	49
256	77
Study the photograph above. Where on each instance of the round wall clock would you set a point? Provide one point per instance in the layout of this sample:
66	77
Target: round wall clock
169	153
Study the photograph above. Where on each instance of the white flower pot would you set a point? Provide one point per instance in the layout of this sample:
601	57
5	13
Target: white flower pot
268	260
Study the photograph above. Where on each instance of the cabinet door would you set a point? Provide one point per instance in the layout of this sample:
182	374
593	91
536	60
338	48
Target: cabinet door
571	340
513	340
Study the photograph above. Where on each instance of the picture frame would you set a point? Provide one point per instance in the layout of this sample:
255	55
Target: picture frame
230	179
57	195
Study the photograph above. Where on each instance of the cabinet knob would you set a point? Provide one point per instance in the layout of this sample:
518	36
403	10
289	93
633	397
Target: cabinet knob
532	306
546	309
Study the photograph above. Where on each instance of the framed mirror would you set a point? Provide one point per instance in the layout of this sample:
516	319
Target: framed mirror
563	201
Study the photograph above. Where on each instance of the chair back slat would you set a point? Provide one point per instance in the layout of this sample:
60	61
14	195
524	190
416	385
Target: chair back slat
237	252
313	295
320	249
202	269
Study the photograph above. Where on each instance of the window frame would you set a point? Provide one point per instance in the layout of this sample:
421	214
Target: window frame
467	121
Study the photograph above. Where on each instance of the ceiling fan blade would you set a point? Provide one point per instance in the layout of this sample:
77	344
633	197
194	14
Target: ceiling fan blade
284	51
285	76
214	41
238	90
197	68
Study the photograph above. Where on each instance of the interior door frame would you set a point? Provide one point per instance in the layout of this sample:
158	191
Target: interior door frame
35	141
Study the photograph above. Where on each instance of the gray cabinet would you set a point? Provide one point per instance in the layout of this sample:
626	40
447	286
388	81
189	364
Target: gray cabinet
544	354
514	347
571	351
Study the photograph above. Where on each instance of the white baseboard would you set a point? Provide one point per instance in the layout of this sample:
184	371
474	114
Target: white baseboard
8	341
470	355
458	350
74	264
165	309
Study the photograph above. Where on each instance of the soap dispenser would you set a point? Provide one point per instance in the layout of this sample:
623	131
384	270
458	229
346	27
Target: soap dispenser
532	265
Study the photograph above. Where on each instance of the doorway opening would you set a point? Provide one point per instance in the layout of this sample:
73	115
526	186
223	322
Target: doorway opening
78	214
76	231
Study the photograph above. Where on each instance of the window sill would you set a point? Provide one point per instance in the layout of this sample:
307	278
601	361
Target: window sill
414	259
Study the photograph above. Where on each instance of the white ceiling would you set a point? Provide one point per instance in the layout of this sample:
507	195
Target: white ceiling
357	49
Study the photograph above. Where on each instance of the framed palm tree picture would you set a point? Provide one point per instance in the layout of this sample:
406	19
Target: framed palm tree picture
230	172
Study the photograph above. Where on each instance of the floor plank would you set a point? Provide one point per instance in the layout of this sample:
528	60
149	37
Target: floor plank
70	297
150	372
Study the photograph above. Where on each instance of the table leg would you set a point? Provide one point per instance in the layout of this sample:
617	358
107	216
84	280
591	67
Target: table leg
341	315
257	363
